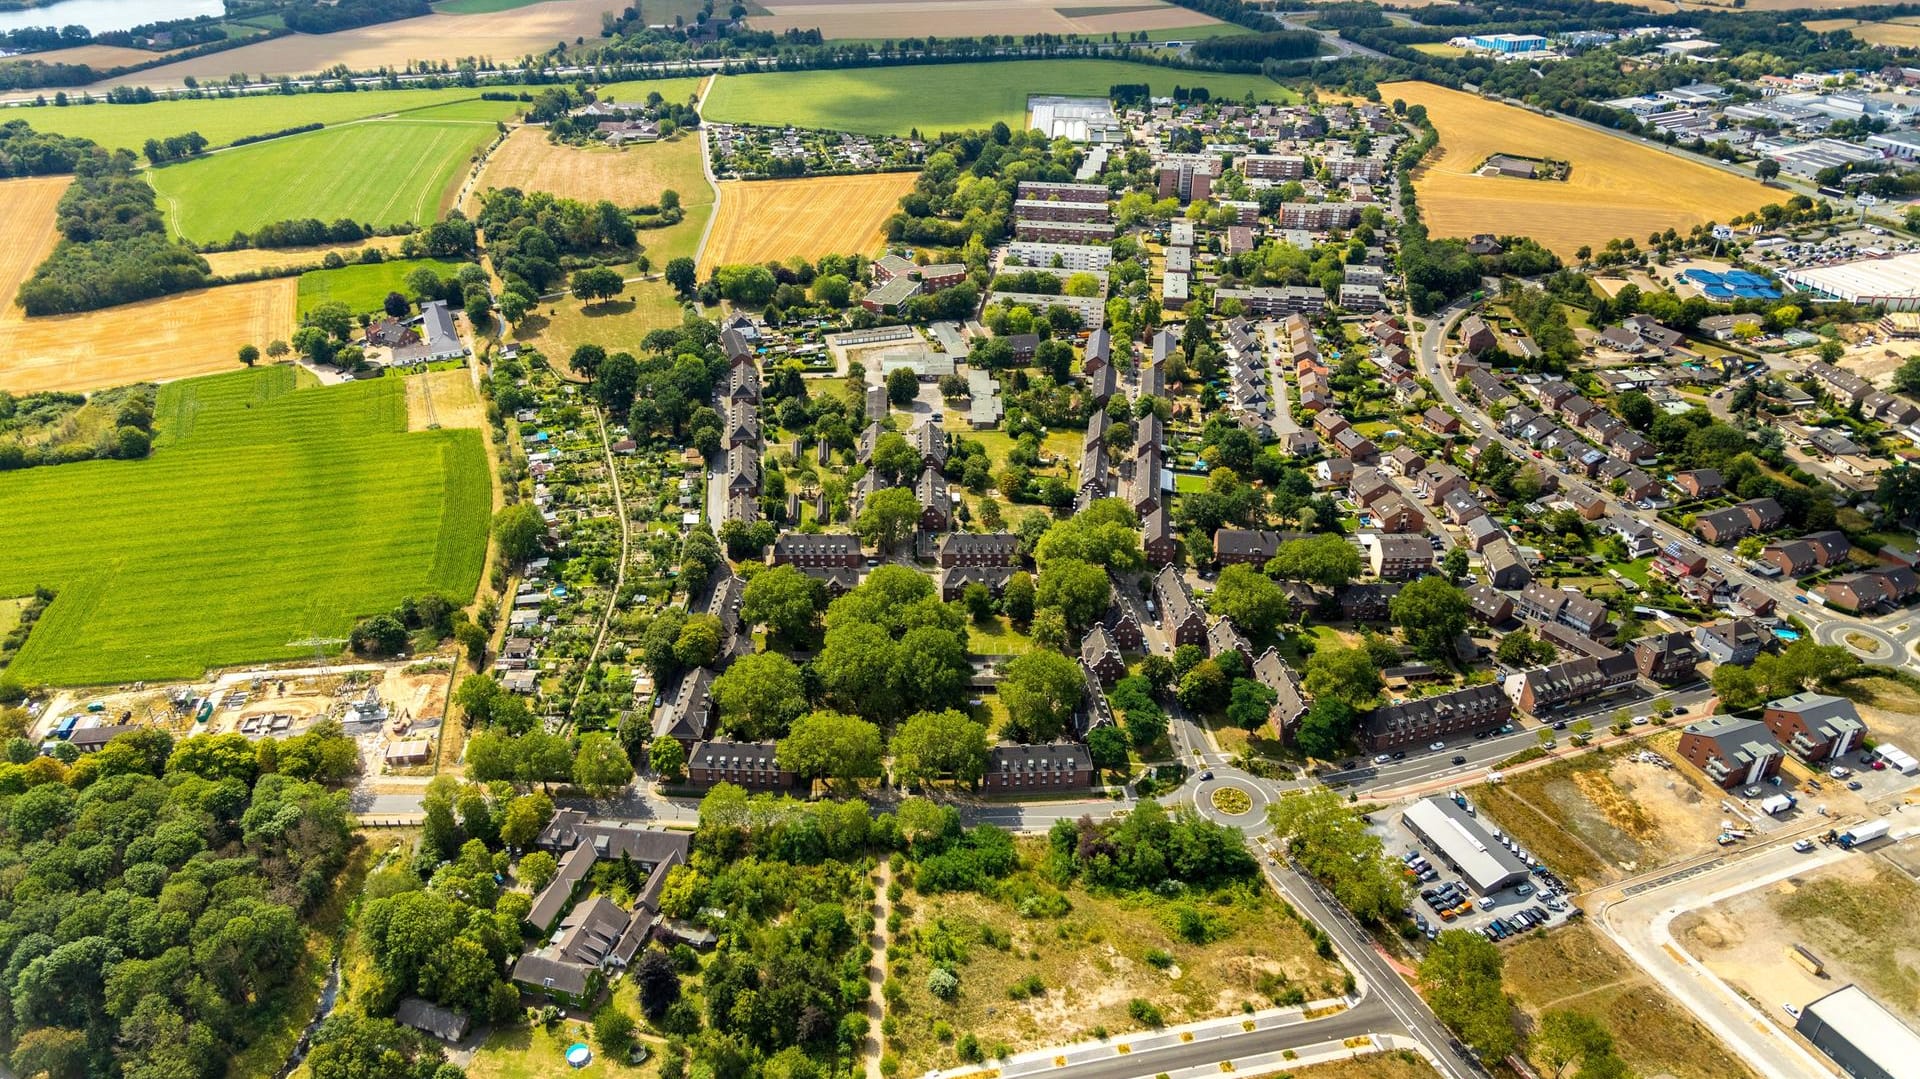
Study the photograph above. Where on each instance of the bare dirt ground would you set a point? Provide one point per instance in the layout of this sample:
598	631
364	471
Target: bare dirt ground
26	233
502	35
1599	819
632	176
900	18
248	260
443	399
1860	917
193	333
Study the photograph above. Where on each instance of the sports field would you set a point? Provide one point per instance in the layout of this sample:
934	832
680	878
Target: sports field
945	97
843	19
779	219
265	522
223	120
363	287
630	176
380	172
1618	187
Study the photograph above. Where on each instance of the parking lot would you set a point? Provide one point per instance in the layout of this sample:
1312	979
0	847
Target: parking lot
1439	899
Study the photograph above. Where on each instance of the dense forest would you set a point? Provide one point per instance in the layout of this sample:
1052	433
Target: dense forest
26	152
150	916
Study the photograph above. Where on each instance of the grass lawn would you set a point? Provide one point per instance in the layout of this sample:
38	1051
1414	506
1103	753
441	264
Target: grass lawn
996	637
527	1052
363	286
10	611
1575	968
267	520
559	326
945	97
1635	571
380	173
223	120
1090	961
680	89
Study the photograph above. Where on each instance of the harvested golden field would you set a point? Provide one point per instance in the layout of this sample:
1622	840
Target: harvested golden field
26	233
249	259
959	18
97	56
1897	33
1618	187
778	219
629	176
502	35
193	333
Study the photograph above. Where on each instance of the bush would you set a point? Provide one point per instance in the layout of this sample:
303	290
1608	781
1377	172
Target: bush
943	983
1158	959
1146	1013
968	1048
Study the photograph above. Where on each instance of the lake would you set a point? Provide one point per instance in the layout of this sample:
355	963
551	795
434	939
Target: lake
101	16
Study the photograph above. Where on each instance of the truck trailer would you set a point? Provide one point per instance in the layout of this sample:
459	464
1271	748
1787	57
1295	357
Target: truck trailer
1898	759
1777	804
1863	833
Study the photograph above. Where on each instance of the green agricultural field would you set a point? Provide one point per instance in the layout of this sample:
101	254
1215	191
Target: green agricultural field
267	520
364	286
384	172
223	120
946	97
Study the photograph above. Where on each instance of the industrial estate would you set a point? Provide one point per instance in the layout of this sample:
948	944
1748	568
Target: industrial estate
669	540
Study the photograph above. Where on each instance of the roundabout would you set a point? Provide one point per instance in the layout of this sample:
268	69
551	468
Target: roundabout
1233	799
1868	642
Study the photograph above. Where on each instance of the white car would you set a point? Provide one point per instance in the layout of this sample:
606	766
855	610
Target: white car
1437	746
1383	758
1791	1010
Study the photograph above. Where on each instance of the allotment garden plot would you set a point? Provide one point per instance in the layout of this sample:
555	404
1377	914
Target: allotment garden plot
383	172
267	520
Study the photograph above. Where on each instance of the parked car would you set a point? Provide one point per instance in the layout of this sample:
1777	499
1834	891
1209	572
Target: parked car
1437	746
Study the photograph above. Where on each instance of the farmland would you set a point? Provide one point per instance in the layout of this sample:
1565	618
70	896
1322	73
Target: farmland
504	36
1899	33
363	286
1618	187
385	172
26	232
944	97
780	219
266	520
842	19
250	259
223	120
633	176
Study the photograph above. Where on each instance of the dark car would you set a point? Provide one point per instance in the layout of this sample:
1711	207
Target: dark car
1459	760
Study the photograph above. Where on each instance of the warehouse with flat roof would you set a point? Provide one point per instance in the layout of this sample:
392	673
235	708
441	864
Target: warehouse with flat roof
1893	282
1860	1035
1465	845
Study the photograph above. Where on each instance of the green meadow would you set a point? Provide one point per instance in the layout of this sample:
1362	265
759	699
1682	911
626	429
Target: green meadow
946	97
266	521
382	172
223	120
363	287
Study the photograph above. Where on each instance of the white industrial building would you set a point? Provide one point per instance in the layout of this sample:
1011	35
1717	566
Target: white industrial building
1860	1035
1079	119
1893	281
1465	844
